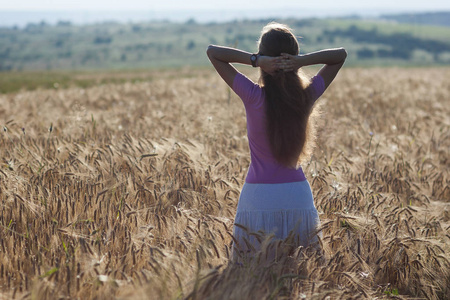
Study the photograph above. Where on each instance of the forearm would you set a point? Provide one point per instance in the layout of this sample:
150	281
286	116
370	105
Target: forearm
327	57
228	55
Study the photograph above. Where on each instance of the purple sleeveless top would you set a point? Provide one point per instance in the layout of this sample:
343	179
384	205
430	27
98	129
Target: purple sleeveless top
263	166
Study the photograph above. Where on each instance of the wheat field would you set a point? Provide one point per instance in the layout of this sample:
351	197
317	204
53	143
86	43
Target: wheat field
128	191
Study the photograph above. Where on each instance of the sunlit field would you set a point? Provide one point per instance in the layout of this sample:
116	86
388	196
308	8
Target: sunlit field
128	191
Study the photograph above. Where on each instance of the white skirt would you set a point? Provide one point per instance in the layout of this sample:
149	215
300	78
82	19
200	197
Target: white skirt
279	209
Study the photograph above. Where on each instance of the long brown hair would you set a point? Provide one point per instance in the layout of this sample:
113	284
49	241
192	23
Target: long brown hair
288	107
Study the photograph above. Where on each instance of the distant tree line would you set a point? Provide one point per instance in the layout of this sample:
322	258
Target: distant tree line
401	45
434	18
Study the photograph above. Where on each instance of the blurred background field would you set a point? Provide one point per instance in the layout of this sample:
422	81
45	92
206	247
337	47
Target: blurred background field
379	41
65	54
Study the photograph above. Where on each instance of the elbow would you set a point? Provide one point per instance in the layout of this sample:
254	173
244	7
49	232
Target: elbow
210	50
344	54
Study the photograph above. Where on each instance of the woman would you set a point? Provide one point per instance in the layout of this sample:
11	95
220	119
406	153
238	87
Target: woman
276	197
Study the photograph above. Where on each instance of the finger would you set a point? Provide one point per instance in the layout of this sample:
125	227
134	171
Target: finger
283	67
286	65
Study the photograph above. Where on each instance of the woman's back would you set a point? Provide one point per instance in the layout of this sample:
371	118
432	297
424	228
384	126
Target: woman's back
264	167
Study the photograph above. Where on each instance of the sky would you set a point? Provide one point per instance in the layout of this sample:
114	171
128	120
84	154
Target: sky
46	5
22	12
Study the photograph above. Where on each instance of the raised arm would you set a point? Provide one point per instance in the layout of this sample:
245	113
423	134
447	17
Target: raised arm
222	57
332	58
